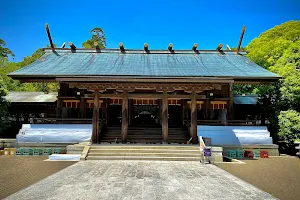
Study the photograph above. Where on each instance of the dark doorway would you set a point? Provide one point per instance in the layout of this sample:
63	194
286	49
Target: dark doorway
175	115
114	115
145	115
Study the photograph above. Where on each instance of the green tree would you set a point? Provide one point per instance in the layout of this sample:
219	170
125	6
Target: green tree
3	107
278	51
14	85
289	123
5	52
288	66
271	44
97	36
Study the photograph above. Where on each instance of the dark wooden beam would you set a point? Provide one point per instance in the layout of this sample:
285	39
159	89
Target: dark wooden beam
195	46
82	107
72	46
219	47
146	47
59	102
124	116
104	110
49	36
121	47
97	46
207	107
95	117
63	45
164	113
241	39
170	47
228	47
194	118
230	102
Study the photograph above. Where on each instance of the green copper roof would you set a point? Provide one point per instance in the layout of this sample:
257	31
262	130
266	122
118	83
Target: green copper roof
250	99
64	63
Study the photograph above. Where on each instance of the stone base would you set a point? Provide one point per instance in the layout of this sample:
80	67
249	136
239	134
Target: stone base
217	154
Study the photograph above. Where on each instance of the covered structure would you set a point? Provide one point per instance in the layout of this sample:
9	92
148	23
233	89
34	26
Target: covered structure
164	89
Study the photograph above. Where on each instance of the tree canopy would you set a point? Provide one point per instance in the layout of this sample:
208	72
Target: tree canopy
5	52
278	50
271	44
97	36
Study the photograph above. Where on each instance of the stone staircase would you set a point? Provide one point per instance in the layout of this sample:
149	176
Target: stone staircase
148	135
144	152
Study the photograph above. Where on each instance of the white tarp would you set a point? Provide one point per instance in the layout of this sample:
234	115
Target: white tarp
54	133
67	157
236	135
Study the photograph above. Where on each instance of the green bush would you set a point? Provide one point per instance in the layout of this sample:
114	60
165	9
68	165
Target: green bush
289	123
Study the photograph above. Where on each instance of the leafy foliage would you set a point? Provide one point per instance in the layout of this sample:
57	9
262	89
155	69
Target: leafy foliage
14	85
288	66
3	106
289	122
97	36
4	52
278	50
270	45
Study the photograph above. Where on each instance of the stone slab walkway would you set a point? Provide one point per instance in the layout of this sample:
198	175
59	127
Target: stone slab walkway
141	180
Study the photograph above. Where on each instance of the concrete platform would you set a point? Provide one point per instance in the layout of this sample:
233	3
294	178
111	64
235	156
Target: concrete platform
141	180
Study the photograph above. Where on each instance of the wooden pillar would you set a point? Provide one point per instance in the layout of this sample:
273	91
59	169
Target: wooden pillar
130	111
194	118
159	111
107	112
183	106
165	117
82	108
124	116
207	106
59	103
95	117
104	111
230	103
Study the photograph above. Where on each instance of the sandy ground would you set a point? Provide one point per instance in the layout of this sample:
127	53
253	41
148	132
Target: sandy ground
279	176
18	172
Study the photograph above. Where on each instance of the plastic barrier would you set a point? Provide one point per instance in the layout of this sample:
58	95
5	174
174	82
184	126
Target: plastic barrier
67	157
264	154
19	151
236	135
54	133
47	151
248	154
37	152
240	154
232	153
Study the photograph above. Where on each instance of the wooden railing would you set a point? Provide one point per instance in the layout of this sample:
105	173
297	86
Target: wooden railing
63	121
226	122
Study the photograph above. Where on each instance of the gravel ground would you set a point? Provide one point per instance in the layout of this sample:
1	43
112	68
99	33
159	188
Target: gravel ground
110	179
18	172
279	176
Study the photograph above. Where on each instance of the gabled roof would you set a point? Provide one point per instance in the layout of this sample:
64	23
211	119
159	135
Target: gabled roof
138	63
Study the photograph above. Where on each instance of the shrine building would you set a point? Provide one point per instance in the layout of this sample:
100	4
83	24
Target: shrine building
145	95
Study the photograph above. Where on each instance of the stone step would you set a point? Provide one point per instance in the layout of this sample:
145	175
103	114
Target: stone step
117	150
165	147
142	158
161	154
142	136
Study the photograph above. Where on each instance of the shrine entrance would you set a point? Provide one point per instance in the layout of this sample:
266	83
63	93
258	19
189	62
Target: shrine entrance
144	112
145	115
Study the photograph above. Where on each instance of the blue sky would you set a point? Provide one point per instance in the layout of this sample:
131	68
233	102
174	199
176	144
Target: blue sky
156	22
